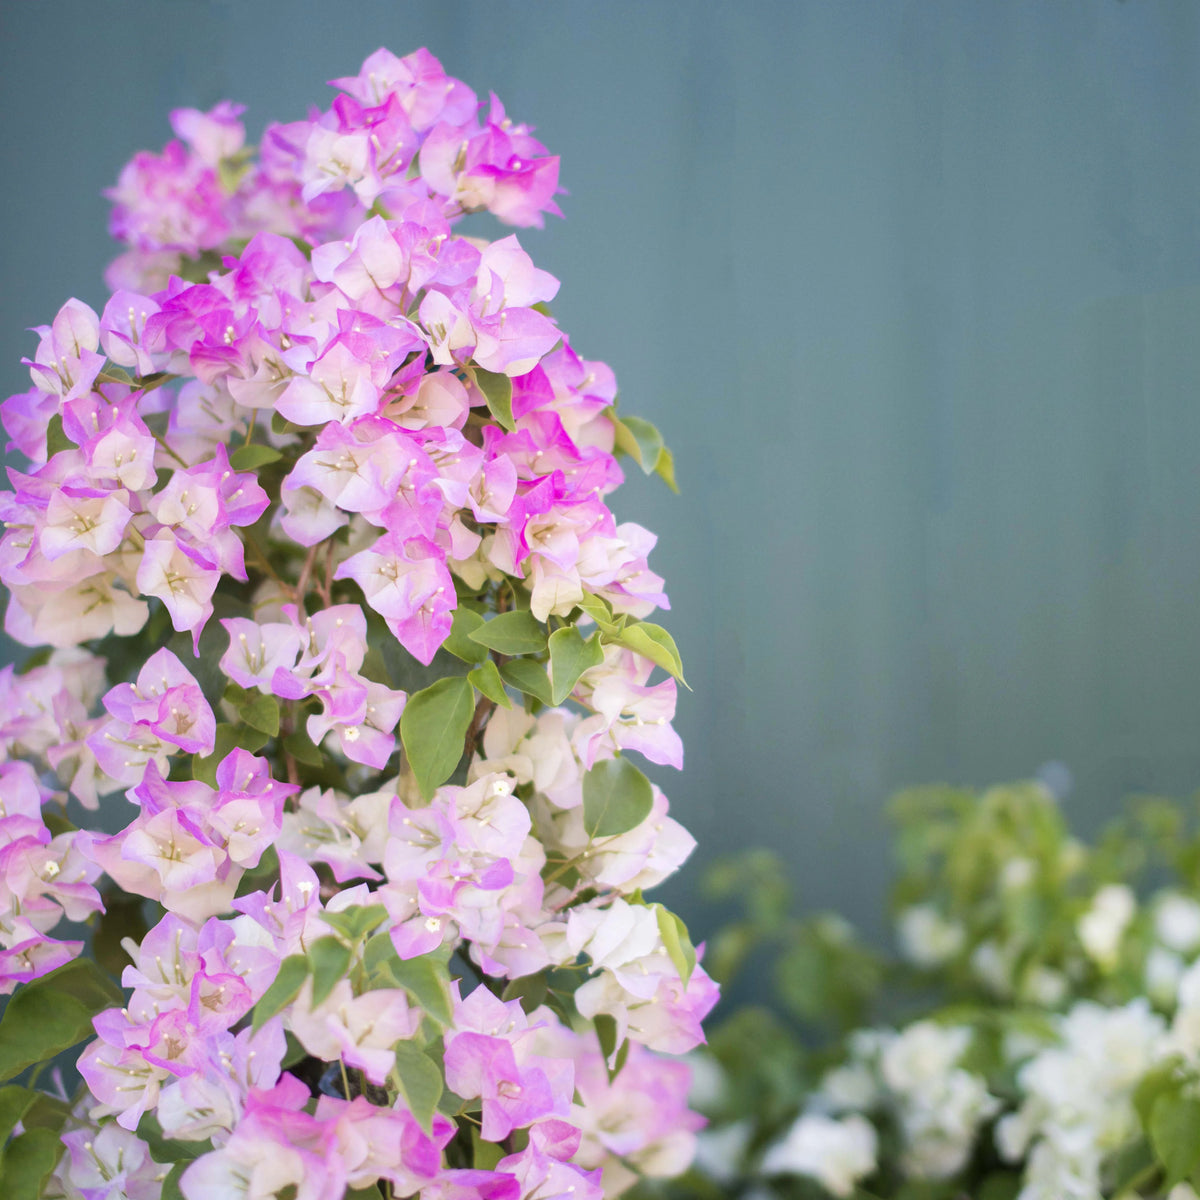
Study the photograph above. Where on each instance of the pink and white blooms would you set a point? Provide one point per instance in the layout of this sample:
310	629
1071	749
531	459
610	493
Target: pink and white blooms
315	519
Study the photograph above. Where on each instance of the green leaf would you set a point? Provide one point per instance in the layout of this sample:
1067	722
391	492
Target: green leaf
171	1189
616	798
293	971
528	676
356	922
1175	1135
329	959
419	1081
486	677
165	1149
261	712
614	1057
1166	1076
122	917
459	642
1000	1185
15	1102
517	632
622	1059
639	439
378	956
598	609
49	1015
253	456
665	469
56	439
294	1052
434	729
655	643
570	656
300	746
485	1155
27	1163
427	980
111	373
497	390
606	1031
529	989
674	934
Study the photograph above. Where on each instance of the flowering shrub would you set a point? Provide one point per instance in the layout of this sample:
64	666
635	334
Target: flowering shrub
314	535
1042	1031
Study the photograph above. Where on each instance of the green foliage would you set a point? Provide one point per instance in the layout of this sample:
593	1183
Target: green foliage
293	971
328	961
356	922
616	798
49	1015
678	944
570	655
427	980
529	677
511	633
419	1081
655	643
434	727
459	642
253	456
644	444
486	677
497	390
27	1162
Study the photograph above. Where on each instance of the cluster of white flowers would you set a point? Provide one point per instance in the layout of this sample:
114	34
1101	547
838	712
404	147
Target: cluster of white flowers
1078	1098
917	1078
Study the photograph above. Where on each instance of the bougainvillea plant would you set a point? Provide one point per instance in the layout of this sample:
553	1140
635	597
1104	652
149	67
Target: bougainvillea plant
330	743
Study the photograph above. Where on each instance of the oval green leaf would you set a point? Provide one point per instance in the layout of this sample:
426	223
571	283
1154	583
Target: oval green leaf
528	676
293	971
419	1081
459	642
433	729
570	656
253	456
497	390
486	677
511	633
655	643
329	959
617	797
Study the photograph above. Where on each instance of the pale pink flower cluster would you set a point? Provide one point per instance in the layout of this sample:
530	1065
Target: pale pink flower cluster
317	425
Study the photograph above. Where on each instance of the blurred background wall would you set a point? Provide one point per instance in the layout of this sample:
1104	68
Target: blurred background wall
912	289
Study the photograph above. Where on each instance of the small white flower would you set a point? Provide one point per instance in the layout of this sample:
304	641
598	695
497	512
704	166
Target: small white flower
1017	873
849	1087
1177	922
1101	928
1045	986
1164	970
926	937
837	1153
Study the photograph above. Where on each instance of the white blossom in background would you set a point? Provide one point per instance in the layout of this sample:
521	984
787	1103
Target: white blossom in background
1078	1105
1177	923
926	937
836	1152
939	1106
1103	926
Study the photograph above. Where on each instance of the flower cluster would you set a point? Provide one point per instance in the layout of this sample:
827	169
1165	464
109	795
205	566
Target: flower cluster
1055	1050
315	531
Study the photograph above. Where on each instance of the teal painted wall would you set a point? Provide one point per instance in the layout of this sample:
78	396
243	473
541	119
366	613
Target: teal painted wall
913	289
